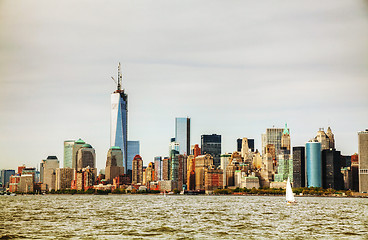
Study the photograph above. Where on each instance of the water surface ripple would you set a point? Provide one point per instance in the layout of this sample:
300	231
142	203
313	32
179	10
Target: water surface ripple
181	217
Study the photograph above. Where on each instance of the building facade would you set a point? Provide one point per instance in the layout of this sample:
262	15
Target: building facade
48	169
68	153
133	150
64	178
211	144
158	168
298	167
331	170
363	160
77	145
86	157
5	177
314	164
182	135
137	171
119	118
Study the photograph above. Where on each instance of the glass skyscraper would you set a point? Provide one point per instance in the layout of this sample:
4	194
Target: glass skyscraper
68	153
182	134
314	164
133	150
119	119
211	144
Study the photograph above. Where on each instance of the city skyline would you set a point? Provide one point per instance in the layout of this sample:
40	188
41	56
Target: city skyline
246	73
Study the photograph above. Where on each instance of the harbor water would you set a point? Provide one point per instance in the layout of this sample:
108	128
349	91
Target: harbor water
181	217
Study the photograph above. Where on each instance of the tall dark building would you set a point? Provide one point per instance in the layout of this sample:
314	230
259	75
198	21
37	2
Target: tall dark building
239	144
331	169
182	134
211	144
299	167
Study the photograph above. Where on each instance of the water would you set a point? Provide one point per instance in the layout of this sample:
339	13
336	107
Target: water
181	217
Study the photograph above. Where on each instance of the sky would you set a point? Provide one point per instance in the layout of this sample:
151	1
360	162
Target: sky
234	67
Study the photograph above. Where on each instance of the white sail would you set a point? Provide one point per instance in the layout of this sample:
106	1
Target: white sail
289	192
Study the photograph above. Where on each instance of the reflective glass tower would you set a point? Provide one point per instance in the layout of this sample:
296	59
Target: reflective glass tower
119	119
182	134
314	164
133	150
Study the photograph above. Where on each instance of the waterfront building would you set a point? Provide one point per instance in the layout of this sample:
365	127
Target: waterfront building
166	164
5	177
68	153
182	134
182	171
225	159
355	172
331	138
331	170
84	179
266	174
119	118
174	168
314	164
26	183
213	178
77	145
363	160
257	160
245	148
346	173
14	182
86	157
48	172
133	150
201	163
298	167
158	168
137	171
150	174
211	144
114	164
64	178
196	150
191	172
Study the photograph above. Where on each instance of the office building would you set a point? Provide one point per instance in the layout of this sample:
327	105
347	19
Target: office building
77	145
68	153
137	171
158	168
314	164
355	172
174	168
331	170
48	172
182	135
225	159
298	167
284	168
64	178
86	157
326	139
213	178
119	118
150	174
133	150
272	136
239	143
201	163
285	140
211	144
114	164
5	177
166	164
363	160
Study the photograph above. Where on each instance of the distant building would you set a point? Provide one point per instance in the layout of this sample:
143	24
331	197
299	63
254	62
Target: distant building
84	179
26	183
285	140
298	167
64	178
86	157
150	173
326	139
77	145
239	143
68	153
166	165
182	135
119	118
213	178
211	144
191	172
174	168
363	160
182	171
158	168
196	150
114	164
331	169
137	171
314	164
133	150
48	172
284	168
5	177
225	159
355	172
272	136
201	163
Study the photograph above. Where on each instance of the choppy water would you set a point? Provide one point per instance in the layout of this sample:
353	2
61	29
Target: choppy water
181	217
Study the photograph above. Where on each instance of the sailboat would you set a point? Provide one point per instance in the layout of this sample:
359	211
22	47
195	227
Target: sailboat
289	193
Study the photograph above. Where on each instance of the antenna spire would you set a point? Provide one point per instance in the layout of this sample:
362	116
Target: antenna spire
120	77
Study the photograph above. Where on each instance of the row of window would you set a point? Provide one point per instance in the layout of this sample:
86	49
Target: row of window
363	171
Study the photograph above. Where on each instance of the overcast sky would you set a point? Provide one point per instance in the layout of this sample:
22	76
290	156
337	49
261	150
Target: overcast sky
234	67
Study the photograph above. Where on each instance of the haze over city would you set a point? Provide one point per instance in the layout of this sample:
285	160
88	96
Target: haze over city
234	68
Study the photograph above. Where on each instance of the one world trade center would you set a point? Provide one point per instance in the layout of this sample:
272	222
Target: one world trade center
119	118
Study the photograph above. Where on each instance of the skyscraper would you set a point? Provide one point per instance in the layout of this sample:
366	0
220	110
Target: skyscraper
331	169
133	150
158	168
137	172
273	136
77	145
48	169
86	157
119	119
363	160
182	134
314	164
211	144
68	153
298	167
